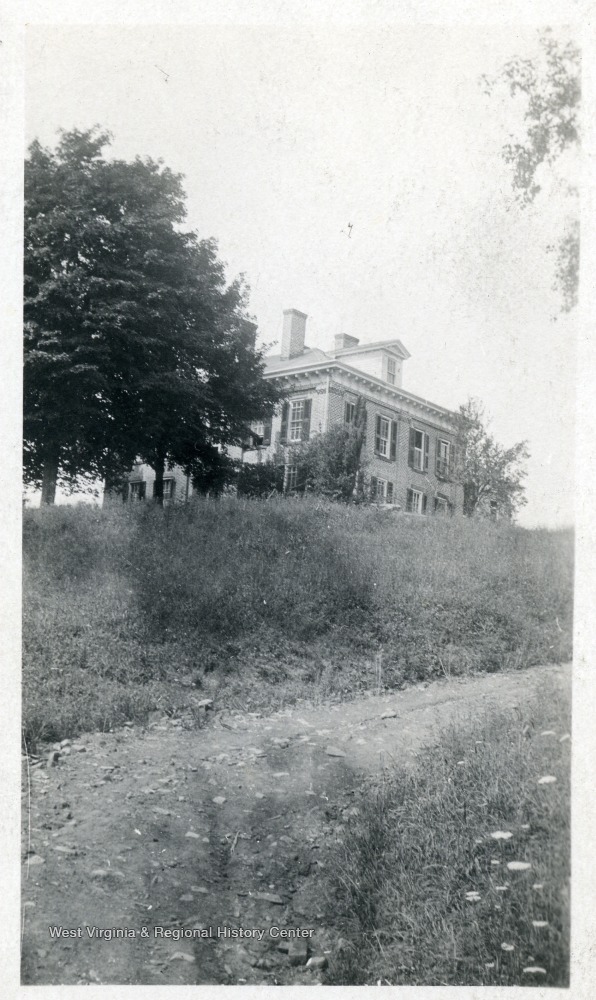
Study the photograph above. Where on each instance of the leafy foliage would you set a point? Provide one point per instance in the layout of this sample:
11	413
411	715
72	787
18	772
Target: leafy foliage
492	476
134	344
260	480
330	464
551	87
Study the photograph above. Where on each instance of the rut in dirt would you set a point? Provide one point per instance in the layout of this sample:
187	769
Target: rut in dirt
199	840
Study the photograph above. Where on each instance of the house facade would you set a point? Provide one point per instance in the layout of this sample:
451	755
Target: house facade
409	448
140	484
408	453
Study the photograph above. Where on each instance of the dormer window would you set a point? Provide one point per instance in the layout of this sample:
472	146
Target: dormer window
391	370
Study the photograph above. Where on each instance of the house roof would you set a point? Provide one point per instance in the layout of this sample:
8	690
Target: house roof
310	355
393	346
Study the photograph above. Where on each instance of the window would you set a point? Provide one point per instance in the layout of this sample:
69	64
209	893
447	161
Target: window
168	489
295	421
442	505
349	413
291	477
382	437
296	417
136	491
381	490
418	451
443	458
391	370
415	502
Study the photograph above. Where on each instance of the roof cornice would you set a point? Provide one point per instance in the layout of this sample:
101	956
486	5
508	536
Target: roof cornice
375	384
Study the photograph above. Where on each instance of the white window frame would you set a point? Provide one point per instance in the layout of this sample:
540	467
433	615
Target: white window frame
391	370
442	505
417	496
444	456
291	477
351	408
295	420
134	491
419	452
380	439
383	491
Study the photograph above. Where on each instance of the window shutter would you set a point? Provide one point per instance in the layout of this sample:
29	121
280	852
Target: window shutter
377	433
438	469
389	492
283	437
393	447
424	503
409	500
125	492
411	448
306	419
426	440
142	491
267	432
373	486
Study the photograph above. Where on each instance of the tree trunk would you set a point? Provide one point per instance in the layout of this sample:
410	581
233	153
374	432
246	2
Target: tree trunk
159	468
51	458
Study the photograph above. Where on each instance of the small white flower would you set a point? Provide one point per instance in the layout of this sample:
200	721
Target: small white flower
501	888
489	965
538	885
548	732
547	779
473	896
461	762
501	835
535	970
518	866
507	947
540	923
495	861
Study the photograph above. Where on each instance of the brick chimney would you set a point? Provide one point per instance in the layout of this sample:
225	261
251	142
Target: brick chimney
292	338
343	340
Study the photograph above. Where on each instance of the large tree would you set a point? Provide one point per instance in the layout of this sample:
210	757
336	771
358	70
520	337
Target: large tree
492	476
135	345
550	87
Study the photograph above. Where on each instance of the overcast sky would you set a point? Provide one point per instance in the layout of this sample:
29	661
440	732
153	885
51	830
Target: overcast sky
356	175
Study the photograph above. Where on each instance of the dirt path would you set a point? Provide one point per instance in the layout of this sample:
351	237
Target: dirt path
227	826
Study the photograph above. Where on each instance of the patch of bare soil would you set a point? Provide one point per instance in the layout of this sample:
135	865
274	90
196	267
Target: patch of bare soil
223	831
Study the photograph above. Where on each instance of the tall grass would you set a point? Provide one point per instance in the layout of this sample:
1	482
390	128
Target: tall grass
267	600
422	888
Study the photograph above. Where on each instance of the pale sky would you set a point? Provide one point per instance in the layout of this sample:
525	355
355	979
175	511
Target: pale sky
286	136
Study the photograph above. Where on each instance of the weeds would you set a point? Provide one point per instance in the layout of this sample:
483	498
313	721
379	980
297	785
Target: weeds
458	871
128	611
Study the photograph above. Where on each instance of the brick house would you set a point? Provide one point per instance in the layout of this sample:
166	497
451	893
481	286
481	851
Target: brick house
408	454
177	485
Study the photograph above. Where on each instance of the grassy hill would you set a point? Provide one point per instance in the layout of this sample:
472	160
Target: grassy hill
258	603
